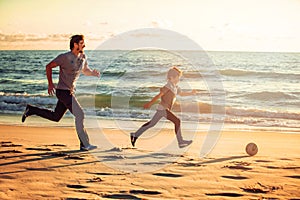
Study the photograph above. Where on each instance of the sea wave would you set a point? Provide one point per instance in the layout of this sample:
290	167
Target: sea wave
270	96
126	107
15	102
256	113
206	108
238	72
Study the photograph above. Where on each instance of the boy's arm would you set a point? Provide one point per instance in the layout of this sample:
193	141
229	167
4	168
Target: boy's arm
154	99
193	92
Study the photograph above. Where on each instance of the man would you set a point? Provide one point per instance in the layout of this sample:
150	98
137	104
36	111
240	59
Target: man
71	64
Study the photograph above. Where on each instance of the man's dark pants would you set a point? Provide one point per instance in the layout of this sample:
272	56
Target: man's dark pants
66	101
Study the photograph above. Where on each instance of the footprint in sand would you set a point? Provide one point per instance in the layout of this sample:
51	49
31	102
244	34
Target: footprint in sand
225	194
74	157
169	175
38	149
263	161
287	159
76	186
39	169
150	192
58	154
154	163
275	167
190	164
120	196
255	190
235	177
294	176
5	142
57	145
6	177
113	158
10	145
96	179
237	167
260	188
106	173
10	151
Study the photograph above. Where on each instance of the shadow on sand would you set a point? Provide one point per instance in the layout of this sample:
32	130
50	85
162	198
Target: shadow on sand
76	155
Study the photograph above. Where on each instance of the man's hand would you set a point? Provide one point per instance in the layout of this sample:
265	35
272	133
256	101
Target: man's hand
96	73
51	89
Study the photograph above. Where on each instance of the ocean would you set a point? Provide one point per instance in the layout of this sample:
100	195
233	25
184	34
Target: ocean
251	88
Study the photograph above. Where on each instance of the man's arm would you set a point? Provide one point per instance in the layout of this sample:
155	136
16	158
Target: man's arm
51	86
88	72
149	104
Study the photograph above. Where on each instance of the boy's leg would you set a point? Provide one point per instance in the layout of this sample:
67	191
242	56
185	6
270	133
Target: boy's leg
170	116
181	142
157	116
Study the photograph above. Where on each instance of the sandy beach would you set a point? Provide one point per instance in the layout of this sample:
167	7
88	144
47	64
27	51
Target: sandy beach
225	74
45	163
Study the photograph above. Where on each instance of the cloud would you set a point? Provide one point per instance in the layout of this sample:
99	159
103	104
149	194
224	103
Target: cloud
22	37
103	23
145	35
46	41
161	23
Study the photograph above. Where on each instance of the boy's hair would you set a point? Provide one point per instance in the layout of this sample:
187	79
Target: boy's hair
173	72
75	39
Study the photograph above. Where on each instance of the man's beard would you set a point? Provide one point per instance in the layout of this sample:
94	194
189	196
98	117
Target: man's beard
80	51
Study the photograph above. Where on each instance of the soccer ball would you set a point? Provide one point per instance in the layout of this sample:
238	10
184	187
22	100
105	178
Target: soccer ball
251	149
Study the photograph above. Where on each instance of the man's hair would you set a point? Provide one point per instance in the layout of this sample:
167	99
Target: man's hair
174	71
75	39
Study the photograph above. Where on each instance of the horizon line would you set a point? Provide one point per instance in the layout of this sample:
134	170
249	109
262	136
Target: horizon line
240	51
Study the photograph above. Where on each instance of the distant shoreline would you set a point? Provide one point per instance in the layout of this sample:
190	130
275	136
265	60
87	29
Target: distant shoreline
68	122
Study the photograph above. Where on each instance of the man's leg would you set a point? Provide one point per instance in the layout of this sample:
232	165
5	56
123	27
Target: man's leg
70	101
77	111
55	115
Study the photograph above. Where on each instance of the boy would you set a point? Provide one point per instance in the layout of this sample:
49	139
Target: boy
168	97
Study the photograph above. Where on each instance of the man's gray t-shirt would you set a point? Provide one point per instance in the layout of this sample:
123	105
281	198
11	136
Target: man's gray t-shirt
70	67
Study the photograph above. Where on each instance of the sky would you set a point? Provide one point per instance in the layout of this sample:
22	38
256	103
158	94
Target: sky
215	25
